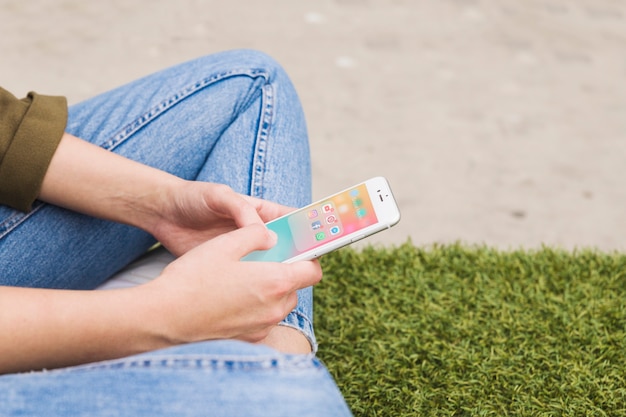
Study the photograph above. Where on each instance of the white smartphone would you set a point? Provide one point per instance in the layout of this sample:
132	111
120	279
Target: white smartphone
333	222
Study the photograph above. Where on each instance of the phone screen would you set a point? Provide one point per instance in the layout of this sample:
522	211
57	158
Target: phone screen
318	224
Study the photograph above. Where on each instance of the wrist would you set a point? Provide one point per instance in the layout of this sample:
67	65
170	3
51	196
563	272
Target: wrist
151	318
90	180
146	208
163	310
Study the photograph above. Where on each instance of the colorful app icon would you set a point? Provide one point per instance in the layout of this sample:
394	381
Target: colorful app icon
313	214
360	213
316	225
354	193
328	208
335	230
331	219
320	236
357	202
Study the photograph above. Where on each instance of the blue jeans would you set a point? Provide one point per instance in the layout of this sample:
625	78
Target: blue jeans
232	118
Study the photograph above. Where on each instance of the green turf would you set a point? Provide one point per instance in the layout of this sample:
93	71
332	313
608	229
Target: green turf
473	331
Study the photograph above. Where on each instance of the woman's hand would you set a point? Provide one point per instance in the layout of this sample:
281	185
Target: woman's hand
194	212
208	293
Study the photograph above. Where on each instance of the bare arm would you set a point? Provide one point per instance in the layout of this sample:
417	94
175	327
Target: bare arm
52	328
86	178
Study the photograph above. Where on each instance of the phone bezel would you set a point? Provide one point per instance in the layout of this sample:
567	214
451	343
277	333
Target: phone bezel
384	203
387	214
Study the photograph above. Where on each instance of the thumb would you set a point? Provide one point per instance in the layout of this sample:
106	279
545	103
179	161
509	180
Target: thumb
247	239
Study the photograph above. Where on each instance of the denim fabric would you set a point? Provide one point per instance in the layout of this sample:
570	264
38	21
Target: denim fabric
232	118
224	378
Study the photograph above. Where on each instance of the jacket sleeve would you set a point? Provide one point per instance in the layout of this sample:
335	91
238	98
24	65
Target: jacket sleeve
30	131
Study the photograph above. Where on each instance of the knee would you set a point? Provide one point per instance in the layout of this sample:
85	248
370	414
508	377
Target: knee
253	61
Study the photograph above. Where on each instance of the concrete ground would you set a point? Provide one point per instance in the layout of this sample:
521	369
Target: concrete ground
500	122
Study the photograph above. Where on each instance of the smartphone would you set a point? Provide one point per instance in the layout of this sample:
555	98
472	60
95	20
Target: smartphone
333	222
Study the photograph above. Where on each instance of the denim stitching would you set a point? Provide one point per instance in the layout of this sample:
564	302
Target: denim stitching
206	362
18	218
165	105
260	149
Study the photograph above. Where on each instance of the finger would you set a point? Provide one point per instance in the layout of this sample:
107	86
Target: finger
241	242
304	274
236	206
268	210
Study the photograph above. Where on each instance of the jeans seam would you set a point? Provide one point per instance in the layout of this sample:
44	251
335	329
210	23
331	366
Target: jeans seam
17	218
127	131
260	149
200	361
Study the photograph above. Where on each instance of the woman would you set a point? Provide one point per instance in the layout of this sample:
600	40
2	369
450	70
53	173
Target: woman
196	157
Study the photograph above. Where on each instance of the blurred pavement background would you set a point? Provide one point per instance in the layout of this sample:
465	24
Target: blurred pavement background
500	122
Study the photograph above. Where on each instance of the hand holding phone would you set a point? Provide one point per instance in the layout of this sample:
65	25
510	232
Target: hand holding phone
331	223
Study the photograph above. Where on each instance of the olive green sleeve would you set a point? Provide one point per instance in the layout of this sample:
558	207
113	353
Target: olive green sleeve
30	131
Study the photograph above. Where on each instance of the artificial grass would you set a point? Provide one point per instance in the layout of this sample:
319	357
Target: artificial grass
473	331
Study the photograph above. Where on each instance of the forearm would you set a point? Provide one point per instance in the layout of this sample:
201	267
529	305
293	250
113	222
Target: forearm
54	328
86	178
